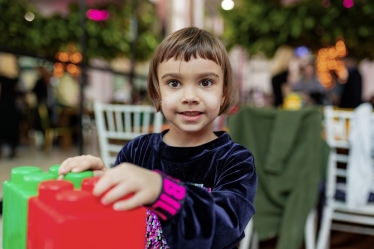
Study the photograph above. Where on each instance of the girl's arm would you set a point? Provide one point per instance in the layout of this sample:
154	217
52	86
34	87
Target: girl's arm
209	220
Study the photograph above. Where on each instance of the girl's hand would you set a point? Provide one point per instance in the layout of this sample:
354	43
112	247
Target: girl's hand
128	178
82	163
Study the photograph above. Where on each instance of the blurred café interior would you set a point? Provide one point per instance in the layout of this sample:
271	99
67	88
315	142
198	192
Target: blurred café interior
305	74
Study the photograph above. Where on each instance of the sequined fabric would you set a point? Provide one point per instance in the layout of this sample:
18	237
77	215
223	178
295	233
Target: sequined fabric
154	237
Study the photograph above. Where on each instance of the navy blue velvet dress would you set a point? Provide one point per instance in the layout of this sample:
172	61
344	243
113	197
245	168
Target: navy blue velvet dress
220	181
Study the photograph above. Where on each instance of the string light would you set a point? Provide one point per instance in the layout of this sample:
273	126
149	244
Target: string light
97	15
348	3
63	56
67	61
329	60
29	16
58	69
76	58
227	4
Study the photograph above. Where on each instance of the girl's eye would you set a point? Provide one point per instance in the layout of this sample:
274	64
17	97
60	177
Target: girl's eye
174	84
206	83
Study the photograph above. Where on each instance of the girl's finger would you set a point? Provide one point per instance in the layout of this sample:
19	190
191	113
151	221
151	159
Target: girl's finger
135	201
75	164
64	167
117	192
108	180
81	163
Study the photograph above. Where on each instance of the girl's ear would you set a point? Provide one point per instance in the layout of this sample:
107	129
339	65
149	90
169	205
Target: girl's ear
223	99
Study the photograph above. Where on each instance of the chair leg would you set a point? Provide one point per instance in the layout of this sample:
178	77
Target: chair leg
254	242
244	244
324	233
48	141
66	142
310	230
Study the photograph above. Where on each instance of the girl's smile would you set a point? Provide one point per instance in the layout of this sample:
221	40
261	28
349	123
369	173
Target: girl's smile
191	115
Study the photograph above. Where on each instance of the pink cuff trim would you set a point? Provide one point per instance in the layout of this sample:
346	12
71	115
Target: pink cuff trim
171	197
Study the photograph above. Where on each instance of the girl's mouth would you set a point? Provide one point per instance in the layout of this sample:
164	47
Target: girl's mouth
191	114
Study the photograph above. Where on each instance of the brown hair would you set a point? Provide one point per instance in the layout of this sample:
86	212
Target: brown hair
194	42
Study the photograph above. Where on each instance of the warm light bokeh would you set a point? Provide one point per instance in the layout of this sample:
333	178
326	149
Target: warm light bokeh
67	61
329	61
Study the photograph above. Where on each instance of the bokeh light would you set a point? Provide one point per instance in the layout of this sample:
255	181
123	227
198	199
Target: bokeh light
227	4
76	58
63	56
97	15
67	62
301	51
29	16
348	3
329	61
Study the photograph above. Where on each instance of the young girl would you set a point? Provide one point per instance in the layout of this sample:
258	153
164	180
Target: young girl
198	185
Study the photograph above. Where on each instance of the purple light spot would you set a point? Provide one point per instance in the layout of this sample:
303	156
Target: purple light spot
348	3
326	3
97	15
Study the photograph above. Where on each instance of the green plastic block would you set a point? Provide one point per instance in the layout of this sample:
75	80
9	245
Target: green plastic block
54	170
22	185
77	178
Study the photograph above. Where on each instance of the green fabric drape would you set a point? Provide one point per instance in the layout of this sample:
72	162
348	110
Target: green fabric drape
291	159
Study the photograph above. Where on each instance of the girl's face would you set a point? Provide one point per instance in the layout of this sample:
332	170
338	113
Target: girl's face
191	94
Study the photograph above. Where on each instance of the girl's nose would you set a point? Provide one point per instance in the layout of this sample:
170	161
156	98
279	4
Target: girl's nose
190	96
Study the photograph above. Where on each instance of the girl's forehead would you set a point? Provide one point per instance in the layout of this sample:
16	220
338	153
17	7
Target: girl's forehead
192	68
198	63
180	60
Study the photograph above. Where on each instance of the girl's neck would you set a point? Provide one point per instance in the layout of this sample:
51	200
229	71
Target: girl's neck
177	138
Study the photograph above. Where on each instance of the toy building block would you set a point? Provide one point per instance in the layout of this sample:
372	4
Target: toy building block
75	178
22	185
54	170
60	217
16	192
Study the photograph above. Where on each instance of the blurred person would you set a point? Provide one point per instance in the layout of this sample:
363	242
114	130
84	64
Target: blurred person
9	113
351	92
309	86
43	91
280	73
42	87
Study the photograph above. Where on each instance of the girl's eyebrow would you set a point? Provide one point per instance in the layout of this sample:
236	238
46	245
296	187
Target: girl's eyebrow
176	75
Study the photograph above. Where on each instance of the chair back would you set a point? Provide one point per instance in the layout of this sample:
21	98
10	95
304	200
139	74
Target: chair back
337	123
337	126
117	124
338	214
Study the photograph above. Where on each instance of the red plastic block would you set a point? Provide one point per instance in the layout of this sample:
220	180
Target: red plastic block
61	218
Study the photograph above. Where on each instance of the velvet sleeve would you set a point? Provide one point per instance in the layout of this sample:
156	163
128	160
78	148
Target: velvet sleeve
217	219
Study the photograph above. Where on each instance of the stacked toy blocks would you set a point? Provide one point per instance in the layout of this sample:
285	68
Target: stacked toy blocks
61	217
43	213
